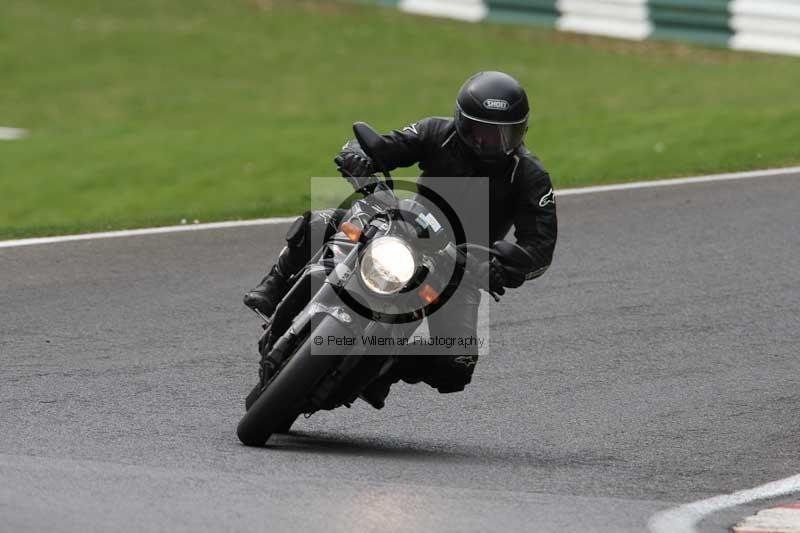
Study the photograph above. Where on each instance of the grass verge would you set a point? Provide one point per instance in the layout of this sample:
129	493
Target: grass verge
145	113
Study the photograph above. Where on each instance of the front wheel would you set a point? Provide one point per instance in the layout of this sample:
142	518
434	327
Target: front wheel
286	395
251	399
286	426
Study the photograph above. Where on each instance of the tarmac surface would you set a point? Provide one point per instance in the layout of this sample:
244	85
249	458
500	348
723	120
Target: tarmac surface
655	364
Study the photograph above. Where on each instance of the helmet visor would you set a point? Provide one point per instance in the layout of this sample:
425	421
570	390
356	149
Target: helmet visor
490	139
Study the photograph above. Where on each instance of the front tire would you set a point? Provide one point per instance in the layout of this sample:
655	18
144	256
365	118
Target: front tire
285	397
286	426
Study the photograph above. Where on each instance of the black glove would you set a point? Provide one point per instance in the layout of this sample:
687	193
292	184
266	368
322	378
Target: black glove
512	277
355	166
502	276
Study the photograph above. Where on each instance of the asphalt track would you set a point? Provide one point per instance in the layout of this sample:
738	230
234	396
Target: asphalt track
655	364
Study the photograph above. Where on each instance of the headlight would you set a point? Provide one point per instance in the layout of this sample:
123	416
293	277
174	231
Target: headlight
387	265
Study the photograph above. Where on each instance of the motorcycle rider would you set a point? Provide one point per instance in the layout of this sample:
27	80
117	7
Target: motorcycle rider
484	138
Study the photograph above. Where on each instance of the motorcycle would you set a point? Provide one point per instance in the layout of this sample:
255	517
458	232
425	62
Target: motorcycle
391	264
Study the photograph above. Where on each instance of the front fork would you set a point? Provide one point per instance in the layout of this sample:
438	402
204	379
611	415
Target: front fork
312	295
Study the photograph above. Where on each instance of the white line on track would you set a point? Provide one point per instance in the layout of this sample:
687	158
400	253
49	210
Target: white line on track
777	172
771	173
684	518
146	231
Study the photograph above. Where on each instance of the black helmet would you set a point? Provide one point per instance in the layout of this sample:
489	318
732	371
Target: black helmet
492	114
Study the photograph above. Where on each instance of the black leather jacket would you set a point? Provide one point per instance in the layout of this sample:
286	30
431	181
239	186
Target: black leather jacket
520	190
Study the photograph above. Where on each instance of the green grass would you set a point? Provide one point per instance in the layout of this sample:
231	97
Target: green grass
151	111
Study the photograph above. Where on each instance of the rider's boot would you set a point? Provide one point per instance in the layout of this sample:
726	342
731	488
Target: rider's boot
305	234
376	392
266	296
405	369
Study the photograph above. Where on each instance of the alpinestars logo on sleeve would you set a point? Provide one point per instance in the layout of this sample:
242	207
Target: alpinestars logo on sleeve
412	128
549	198
466	360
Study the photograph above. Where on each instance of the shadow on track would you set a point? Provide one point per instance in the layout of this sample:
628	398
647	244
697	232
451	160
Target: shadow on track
353	446
348	445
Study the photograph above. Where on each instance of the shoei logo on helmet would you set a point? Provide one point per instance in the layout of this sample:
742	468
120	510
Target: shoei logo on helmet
491	103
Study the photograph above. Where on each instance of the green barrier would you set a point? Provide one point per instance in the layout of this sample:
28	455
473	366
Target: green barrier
702	21
539	12
772	26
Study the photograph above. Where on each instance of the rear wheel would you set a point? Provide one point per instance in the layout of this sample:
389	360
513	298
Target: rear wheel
286	395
